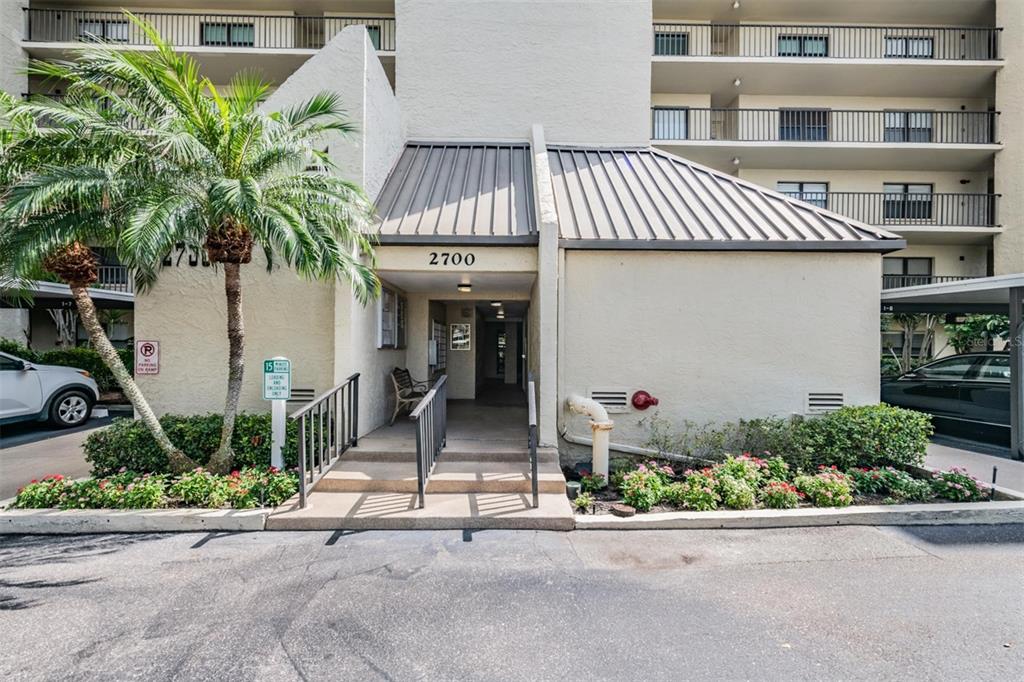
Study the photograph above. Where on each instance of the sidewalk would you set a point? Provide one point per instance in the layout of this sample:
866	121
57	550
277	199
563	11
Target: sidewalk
1010	475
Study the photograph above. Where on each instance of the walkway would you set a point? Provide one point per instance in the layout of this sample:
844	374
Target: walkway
471	425
1010	475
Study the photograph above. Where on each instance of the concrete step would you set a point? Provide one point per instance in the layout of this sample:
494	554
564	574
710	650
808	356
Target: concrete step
398	511
449	476
472	451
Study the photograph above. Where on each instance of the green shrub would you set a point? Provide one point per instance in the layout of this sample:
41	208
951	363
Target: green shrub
736	493
14	348
957	485
870	435
642	488
583	502
127	445
828	488
899	485
776	469
200	488
42	494
260	487
780	495
743	468
697	492
591	483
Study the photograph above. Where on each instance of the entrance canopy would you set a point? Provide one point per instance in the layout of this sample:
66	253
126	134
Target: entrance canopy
1002	295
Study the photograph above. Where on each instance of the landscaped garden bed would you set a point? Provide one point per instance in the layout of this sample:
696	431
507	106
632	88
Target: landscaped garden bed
855	456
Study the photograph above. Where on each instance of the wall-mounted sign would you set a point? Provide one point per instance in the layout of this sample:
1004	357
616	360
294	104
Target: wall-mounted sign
461	332
277	379
147	357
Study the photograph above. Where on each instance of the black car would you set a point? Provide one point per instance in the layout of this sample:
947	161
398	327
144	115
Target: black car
967	395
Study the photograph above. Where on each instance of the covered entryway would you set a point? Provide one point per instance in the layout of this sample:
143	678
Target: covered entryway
1002	295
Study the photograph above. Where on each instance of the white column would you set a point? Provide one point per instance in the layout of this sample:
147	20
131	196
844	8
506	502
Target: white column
547	290
1016	368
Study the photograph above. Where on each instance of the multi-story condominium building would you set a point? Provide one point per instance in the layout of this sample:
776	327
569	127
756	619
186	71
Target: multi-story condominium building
523	153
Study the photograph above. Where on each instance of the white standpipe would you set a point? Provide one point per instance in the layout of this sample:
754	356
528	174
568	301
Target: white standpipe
600	426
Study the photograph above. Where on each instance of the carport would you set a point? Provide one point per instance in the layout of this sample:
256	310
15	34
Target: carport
1002	295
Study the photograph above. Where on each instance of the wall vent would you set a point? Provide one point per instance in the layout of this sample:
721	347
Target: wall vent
613	399
821	402
300	397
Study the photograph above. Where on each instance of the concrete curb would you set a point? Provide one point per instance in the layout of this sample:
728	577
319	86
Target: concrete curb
874	515
75	521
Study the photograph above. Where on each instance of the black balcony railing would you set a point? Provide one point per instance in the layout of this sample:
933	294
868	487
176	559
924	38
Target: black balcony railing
898	281
214	30
917	208
946	43
824	125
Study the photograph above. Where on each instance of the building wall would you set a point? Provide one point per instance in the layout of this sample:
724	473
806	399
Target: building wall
462	369
580	68
719	335
12	57
14	324
870	180
1009	164
186	313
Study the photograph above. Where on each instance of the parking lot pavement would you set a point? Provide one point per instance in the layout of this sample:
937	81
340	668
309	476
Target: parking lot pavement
1010	473
28	453
851	603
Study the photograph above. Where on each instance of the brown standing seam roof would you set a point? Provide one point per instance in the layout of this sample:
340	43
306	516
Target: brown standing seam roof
459	190
645	194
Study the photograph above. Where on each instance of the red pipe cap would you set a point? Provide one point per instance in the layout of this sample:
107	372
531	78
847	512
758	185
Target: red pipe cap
642	400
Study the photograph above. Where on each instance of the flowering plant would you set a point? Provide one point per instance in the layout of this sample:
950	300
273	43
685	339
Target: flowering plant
828	488
957	485
642	488
743	468
583	502
780	495
697	492
591	483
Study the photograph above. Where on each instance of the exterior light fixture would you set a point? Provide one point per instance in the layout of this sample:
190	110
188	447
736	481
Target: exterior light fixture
736	4
737	82
465	288
501	314
735	160
495	304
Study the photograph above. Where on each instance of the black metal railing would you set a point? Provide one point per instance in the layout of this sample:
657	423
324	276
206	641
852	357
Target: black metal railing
824	125
945	43
186	29
898	281
328	426
910	208
531	437
114	278
431	418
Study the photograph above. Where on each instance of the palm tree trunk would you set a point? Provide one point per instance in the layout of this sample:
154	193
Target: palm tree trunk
177	459
222	459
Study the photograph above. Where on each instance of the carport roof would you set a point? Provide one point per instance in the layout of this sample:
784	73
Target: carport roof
979	295
645	198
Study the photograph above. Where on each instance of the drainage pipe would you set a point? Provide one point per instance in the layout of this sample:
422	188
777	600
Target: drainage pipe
600	426
636	450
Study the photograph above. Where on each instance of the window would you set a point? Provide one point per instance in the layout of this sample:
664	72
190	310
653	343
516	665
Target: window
908	126
10	364
995	369
374	32
671	43
907	201
906	272
815	193
391	319
437	352
897	47
670	123
228	35
109	30
952	369
807	125
803	46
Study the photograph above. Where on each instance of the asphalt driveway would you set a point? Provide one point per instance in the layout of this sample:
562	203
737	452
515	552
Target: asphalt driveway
936	603
41	452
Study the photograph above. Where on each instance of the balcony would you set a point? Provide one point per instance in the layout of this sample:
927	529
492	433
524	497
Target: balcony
856	139
824	59
275	43
933	217
114	278
900	281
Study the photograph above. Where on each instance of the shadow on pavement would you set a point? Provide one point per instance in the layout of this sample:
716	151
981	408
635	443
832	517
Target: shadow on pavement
38	550
1009	534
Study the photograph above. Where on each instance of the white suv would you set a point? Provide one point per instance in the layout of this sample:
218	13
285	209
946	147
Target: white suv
62	395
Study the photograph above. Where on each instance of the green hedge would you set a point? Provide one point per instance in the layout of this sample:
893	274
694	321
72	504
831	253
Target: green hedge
80	358
127	444
869	435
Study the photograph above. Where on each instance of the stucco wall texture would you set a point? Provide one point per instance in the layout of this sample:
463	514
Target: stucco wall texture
12	57
1009	163
719	336
533	61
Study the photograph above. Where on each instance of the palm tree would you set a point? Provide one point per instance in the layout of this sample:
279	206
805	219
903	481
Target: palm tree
214	171
51	209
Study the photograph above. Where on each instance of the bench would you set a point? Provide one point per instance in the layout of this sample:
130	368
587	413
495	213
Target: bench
408	391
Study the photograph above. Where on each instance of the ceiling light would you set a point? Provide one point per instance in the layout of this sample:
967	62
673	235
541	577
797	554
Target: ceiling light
736	4
735	160
465	288
496	304
737	82
501	315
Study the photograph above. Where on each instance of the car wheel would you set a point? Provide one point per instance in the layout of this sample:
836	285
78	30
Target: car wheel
70	409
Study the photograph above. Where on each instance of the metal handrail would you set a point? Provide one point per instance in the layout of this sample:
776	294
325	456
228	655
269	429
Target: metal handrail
431	418
189	29
823	41
823	126
900	281
946	209
328	426
531	402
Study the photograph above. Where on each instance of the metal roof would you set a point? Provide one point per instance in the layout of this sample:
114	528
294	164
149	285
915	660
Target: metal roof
645	198
459	192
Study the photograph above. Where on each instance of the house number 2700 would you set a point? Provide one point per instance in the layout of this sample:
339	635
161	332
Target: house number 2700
447	258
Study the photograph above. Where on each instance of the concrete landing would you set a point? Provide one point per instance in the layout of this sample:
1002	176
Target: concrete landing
449	476
397	511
